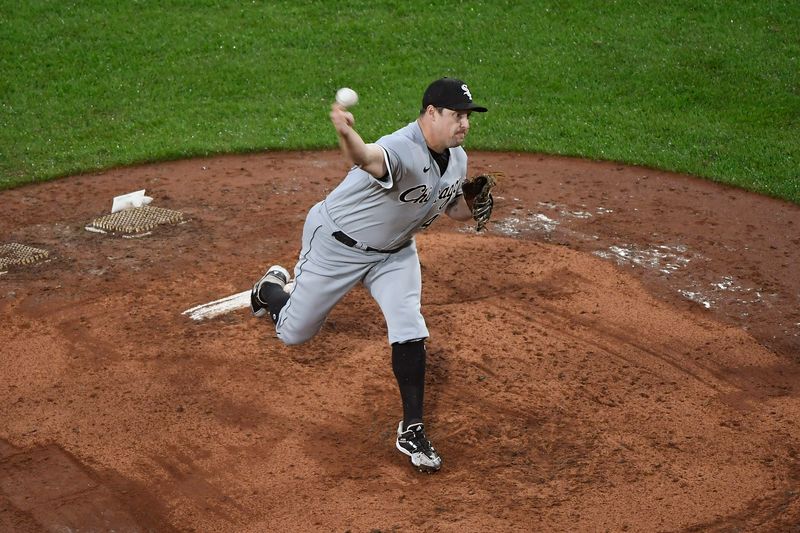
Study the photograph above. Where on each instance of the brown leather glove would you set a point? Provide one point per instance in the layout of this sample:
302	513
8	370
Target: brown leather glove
478	194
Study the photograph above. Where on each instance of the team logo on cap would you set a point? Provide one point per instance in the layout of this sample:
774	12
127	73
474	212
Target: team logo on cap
466	91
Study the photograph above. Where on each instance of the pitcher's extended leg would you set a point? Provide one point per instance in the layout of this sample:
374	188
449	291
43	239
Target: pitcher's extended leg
408	364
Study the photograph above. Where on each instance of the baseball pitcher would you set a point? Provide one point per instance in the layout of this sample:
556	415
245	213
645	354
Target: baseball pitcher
364	232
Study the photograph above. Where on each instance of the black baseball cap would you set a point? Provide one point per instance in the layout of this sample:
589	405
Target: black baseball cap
452	94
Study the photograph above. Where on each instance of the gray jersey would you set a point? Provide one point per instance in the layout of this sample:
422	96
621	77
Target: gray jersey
385	214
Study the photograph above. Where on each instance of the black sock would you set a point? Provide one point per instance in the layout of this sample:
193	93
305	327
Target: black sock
275	298
408	363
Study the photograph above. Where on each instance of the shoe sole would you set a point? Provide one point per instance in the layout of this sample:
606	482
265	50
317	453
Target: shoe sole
258	314
277	281
422	468
264	279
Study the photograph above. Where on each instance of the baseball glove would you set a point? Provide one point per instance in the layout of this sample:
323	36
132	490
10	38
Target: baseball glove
478	194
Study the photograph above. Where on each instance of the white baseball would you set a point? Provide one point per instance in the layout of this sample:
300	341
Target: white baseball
346	97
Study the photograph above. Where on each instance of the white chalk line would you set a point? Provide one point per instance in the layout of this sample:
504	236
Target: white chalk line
219	307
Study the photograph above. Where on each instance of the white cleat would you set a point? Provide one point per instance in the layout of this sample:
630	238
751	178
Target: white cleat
418	448
277	275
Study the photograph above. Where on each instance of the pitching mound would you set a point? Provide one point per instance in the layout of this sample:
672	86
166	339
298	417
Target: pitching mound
617	352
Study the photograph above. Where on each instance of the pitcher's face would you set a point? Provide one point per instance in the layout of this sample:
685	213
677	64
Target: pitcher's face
451	126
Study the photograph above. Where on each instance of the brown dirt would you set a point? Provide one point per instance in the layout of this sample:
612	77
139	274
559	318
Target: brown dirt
618	352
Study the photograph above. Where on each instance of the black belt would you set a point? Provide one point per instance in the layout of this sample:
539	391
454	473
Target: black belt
351	242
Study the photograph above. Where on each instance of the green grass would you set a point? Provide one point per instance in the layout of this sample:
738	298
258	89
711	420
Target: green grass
708	88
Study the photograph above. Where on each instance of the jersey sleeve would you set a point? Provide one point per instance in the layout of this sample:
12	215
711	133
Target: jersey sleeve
405	155
393	153
386	181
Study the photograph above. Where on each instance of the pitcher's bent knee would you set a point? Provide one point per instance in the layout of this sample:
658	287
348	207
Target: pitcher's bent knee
292	340
292	337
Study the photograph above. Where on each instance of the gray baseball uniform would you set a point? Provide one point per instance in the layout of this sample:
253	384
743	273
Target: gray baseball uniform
364	231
